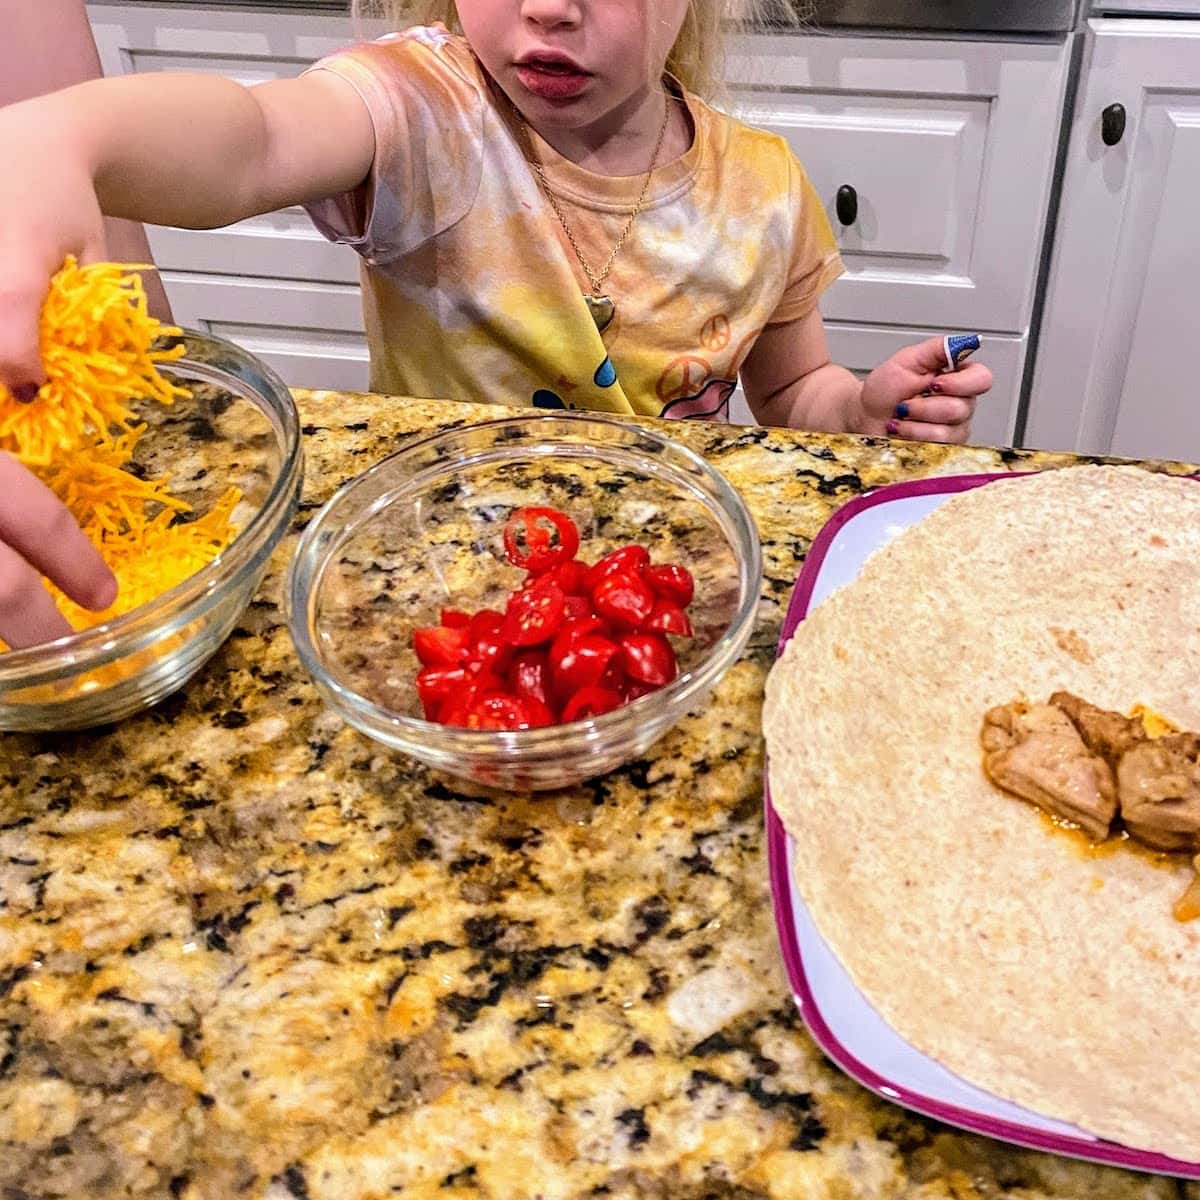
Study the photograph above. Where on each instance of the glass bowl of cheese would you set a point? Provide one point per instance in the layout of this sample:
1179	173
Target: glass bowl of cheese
227	451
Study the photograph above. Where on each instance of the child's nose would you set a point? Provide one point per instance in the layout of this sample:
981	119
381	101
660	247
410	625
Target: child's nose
551	14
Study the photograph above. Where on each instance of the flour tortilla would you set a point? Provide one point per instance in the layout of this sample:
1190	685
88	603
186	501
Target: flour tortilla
994	945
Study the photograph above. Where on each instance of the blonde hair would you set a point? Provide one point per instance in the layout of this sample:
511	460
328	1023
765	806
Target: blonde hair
696	59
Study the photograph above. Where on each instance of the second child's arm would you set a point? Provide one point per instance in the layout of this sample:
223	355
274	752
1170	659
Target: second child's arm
188	150
790	380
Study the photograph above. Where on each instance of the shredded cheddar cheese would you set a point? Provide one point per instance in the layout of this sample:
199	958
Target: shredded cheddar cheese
79	435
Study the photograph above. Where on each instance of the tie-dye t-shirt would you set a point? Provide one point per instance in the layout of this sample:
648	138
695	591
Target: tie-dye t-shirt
471	290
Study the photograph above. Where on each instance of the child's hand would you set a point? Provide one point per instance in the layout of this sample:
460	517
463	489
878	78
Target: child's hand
37	233
906	397
38	536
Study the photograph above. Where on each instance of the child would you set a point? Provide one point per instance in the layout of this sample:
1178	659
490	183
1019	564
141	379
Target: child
546	216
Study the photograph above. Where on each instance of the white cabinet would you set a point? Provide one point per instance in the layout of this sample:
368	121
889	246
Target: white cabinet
311	333
949	149
1114	364
945	151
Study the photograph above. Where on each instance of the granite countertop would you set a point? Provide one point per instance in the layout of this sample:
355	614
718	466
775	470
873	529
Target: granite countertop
246	952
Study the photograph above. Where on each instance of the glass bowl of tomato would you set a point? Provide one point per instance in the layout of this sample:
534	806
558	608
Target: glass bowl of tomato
526	603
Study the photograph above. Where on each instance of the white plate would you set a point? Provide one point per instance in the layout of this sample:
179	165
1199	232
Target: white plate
839	1017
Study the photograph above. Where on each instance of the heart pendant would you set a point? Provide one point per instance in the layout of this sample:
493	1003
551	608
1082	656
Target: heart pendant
602	309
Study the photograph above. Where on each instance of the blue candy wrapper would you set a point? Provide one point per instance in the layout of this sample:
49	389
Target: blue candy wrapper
959	346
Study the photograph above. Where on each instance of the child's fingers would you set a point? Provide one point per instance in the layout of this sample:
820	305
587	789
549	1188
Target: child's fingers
937	410
928	431
28	615
972	380
35	525
21	296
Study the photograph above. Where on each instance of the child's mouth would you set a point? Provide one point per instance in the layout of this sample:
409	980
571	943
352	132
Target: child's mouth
552	80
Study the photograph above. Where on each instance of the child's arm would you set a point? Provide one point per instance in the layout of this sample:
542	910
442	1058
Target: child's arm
789	380
188	150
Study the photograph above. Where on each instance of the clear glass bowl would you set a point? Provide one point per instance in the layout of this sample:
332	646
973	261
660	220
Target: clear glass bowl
238	428
423	529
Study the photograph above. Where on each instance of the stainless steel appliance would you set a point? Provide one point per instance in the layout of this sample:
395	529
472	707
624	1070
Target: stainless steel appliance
957	16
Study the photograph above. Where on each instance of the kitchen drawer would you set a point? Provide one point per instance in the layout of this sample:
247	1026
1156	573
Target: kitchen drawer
311	333
949	146
251	47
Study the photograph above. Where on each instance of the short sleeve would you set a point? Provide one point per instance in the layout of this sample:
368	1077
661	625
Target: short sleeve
815	261
427	112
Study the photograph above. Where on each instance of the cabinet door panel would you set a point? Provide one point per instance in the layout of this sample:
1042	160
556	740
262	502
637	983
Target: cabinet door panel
949	146
310	333
1124	283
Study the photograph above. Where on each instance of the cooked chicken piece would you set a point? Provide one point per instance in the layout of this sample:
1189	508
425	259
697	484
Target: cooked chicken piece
1158	783
1106	733
1035	752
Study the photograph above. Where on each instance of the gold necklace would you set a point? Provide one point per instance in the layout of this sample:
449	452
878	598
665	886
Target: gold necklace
601	306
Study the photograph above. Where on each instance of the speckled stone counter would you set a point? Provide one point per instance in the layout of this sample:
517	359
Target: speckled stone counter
245	952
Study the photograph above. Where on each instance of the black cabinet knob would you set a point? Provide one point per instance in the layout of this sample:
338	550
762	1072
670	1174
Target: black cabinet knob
847	204
1112	124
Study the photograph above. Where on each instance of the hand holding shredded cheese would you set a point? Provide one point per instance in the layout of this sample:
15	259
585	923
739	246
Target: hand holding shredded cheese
79	434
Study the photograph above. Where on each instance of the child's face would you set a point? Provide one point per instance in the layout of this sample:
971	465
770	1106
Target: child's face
570	64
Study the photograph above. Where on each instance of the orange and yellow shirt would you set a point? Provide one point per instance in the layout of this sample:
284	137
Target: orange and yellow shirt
471	290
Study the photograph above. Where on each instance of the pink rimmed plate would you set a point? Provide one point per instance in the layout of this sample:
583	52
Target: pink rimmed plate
839	1017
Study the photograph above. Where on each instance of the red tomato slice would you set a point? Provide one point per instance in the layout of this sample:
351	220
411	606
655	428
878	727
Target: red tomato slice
491	653
530	676
623	598
438	646
454	618
672	583
578	658
435	684
456	708
668	617
486	622
537	539
534	614
648	658
499	710
578	608
630	558
570	576
590	702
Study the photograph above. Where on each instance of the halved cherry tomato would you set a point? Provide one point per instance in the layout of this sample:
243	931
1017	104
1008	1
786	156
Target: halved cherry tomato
454	618
627	558
490	652
530	676
668	617
578	658
536	539
487	622
534	614
499	710
438	646
570	576
635	691
578	608
456	708
590	702
623	598
672	582
647	658
435	684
